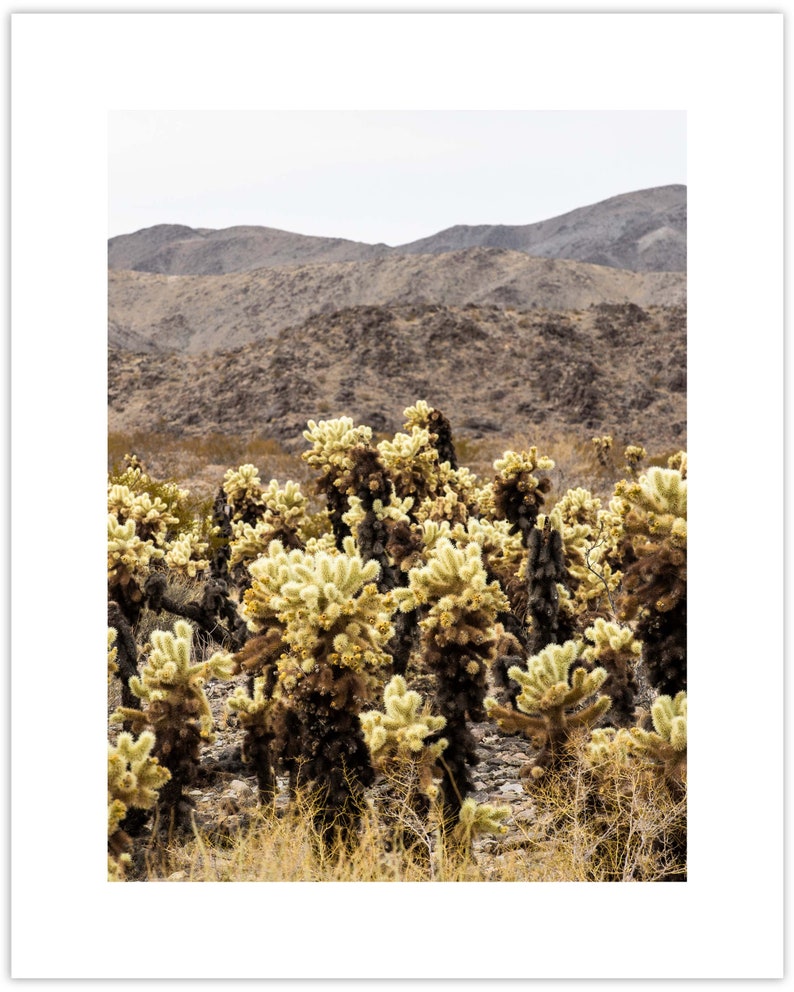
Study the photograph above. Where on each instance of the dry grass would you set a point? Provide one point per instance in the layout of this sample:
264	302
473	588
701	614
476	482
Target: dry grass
621	827
284	846
201	462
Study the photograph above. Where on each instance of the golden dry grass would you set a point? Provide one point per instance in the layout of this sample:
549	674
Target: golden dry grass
623	826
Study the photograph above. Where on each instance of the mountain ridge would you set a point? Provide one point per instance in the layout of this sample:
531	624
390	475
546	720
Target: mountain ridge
640	231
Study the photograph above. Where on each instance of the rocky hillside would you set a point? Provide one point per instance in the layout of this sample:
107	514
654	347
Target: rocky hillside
642	231
193	314
609	368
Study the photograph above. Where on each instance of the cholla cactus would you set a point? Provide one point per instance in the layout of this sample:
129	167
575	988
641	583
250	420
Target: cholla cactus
158	508
128	566
412	462
132	461
112	653
678	461
255	713
186	553
478	818
335	627
333	442
660	494
438	427
287	502
134	778
655	576
552	690
602	447
634	454
283	518
176	709
152	517
328	603
405	736
395	510
547	580
128	553
458	639
459	498
667	746
588	549
502	555
517	491
662	750
617	651
644	770
405	747
120	499
243	490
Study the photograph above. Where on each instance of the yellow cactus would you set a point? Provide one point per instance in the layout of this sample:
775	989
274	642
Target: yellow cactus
134	779
171	684
404	726
479	818
412	462
669	717
606	635
396	509
455	581
332	441
185	554
660	495
549	703
127	553
328	602
545	684
112	653
661	751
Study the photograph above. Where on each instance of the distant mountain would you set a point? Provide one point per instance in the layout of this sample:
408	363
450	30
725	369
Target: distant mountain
170	249
643	231
211	313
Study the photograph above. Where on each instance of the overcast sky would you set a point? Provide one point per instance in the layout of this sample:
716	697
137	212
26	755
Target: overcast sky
387	177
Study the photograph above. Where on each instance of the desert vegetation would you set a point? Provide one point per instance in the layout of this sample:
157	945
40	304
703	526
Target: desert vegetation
309	665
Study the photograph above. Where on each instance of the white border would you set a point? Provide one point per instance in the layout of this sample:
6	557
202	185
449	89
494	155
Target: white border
68	70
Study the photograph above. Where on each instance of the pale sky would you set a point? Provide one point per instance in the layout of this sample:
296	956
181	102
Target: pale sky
389	176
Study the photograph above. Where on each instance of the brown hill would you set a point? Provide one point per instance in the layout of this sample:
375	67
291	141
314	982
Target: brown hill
212	313
617	369
641	231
